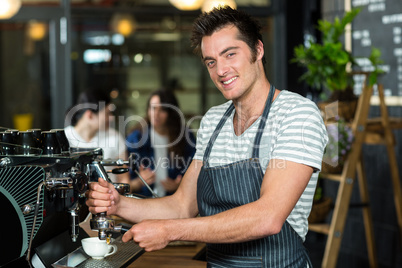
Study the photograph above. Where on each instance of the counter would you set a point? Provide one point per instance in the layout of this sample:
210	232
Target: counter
171	257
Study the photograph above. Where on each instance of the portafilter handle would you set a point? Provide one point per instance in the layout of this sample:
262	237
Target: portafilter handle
101	222
122	228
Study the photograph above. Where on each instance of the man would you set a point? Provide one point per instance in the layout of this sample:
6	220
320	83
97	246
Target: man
88	127
254	173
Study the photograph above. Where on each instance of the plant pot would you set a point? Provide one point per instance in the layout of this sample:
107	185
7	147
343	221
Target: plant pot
320	210
332	169
341	109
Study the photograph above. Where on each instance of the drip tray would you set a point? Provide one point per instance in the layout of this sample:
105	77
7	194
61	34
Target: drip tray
126	254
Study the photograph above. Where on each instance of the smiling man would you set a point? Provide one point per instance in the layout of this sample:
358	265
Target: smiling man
256	165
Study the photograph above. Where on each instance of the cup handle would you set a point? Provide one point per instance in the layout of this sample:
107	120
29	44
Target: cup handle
112	250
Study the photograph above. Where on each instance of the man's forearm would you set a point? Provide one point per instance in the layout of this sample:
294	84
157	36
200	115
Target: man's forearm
236	225
137	210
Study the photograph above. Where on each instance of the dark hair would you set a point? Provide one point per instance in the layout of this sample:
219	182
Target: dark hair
174	122
209	22
90	96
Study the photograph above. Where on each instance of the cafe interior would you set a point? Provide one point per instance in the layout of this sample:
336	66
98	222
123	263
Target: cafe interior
52	50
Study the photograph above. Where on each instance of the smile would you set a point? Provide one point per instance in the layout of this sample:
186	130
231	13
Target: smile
229	81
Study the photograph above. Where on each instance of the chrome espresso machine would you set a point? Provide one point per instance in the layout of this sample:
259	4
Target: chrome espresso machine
42	193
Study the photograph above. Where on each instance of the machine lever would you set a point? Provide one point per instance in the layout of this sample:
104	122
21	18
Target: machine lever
118	170
122	228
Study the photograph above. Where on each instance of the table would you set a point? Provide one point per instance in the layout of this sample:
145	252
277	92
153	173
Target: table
171	257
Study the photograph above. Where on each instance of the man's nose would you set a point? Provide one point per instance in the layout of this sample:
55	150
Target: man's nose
222	68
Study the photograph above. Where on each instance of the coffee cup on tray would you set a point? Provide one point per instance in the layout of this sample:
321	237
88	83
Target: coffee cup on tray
96	248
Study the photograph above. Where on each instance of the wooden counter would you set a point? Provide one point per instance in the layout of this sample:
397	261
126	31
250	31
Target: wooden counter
171	257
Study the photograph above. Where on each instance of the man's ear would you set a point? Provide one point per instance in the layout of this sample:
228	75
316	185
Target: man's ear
260	50
89	114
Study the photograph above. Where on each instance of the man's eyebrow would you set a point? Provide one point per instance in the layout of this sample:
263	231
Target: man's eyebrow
226	50
220	54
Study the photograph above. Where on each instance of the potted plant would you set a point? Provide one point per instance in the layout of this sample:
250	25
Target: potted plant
340	138
326	62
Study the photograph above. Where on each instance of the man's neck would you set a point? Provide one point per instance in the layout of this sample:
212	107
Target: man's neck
249	109
85	132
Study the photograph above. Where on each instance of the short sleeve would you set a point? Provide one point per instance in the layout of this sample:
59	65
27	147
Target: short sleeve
302	136
200	140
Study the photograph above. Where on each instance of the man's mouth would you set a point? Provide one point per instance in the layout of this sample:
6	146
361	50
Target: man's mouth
229	81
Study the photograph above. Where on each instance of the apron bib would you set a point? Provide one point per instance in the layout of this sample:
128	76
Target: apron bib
225	187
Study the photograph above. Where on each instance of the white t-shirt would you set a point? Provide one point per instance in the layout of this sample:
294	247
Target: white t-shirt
159	144
294	131
111	141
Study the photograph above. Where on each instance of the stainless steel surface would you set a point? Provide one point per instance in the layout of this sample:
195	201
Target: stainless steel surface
126	253
122	188
118	162
103	224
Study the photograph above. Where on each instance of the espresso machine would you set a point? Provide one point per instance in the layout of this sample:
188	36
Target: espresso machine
42	192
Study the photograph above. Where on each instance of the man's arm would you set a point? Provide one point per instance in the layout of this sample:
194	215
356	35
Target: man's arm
281	189
182	204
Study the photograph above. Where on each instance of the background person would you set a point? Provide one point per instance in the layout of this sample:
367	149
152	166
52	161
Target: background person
162	147
253	177
89	127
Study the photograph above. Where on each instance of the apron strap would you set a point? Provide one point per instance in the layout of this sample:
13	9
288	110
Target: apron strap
260	130
264	118
216	133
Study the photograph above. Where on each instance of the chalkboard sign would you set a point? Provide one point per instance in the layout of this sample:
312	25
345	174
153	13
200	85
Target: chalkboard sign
379	24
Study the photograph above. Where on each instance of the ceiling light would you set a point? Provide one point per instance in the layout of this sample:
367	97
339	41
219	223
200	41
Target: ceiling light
36	30
9	8
123	24
208	5
187	4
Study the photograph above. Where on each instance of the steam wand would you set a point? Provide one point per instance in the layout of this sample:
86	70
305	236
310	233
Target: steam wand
146	184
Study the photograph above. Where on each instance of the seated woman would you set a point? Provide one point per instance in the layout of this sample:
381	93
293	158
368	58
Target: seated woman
162	148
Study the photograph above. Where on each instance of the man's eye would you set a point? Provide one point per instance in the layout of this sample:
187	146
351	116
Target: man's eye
210	63
231	55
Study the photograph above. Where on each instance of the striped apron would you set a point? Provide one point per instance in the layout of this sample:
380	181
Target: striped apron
225	187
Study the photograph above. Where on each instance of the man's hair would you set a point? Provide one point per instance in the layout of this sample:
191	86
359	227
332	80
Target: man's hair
209	22
90	96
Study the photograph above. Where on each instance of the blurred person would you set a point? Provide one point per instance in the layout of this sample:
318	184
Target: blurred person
88	126
162	148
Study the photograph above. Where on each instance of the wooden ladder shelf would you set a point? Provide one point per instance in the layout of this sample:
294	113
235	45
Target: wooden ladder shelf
369	131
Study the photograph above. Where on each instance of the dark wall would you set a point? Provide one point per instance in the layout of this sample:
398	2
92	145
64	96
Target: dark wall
302	16
353	251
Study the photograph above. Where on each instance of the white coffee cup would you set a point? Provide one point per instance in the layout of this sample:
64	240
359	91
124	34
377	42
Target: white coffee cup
96	248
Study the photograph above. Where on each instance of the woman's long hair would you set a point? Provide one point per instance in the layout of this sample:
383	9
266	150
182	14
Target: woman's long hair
175	123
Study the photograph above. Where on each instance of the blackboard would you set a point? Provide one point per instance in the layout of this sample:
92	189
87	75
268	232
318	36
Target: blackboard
379	24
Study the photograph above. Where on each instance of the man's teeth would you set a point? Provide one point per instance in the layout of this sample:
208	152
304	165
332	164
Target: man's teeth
230	80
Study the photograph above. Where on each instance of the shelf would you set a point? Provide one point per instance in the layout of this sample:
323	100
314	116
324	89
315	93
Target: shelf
329	176
322	228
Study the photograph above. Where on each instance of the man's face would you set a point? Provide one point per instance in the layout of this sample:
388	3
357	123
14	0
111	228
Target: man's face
105	115
229	63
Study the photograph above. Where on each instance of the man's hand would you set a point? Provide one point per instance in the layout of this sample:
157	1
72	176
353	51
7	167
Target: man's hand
149	234
101	197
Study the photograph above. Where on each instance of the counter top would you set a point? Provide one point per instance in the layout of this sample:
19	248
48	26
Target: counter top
171	257
176	254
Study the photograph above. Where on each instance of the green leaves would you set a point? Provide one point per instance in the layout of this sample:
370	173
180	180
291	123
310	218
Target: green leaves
326	62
